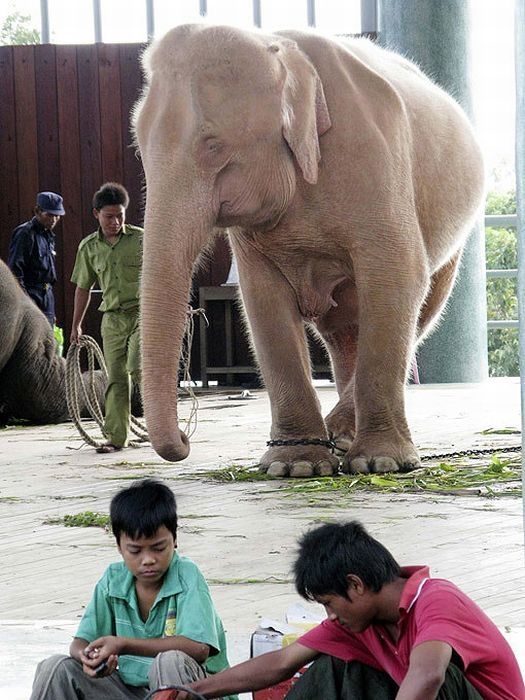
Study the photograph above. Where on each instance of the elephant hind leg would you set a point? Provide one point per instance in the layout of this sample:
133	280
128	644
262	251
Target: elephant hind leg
441	284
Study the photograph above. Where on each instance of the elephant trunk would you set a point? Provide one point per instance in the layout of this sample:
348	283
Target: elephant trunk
172	242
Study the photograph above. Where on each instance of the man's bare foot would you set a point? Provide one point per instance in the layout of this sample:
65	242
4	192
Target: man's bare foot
107	448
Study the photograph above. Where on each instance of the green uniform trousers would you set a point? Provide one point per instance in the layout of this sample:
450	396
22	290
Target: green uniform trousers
121	339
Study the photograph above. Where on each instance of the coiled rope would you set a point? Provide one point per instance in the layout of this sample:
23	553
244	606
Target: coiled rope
80	384
185	360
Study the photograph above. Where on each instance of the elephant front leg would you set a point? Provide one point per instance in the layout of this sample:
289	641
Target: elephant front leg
389	308
298	435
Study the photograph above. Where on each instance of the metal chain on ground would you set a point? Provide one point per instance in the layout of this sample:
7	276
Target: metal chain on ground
472	453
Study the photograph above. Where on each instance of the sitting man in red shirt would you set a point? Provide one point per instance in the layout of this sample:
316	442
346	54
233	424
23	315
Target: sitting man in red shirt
391	633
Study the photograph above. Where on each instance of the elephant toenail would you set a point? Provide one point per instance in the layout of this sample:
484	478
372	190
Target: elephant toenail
278	469
301	469
325	468
382	465
358	465
411	463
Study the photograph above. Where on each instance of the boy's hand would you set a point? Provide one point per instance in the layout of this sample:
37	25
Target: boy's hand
104	649
95	668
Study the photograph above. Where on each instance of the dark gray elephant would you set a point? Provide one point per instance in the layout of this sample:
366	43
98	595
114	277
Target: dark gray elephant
32	376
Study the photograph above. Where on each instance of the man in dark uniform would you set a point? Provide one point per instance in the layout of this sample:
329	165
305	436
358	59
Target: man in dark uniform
32	252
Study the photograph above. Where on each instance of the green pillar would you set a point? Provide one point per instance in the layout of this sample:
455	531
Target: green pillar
435	34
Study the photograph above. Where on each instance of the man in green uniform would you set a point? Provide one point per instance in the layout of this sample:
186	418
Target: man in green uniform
113	256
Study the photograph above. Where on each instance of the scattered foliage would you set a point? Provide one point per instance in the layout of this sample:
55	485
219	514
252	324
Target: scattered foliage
500	431
235	472
498	477
85	519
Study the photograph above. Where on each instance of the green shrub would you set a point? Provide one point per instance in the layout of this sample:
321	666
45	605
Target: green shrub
501	247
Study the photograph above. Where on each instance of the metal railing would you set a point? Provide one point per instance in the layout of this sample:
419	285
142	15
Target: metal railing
369	16
501	221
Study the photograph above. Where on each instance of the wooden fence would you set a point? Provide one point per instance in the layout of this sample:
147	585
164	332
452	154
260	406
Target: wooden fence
65	127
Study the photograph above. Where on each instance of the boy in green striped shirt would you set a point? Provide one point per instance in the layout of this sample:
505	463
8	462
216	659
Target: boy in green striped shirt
151	621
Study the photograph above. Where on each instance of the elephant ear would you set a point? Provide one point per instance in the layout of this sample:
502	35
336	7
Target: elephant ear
304	110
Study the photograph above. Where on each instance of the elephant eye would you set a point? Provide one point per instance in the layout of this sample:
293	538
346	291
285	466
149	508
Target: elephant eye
212	152
212	145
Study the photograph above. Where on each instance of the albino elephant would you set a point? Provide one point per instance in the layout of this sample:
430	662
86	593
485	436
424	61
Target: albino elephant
348	182
32	376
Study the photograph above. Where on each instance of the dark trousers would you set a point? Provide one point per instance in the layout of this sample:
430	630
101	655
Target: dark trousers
332	679
44	298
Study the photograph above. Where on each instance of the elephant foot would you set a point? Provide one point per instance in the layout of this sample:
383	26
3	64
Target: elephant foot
380	457
299	461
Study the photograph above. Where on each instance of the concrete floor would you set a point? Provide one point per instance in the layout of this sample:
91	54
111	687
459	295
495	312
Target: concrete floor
243	534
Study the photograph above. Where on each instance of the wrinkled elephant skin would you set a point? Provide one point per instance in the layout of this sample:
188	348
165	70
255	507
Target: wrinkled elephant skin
32	376
348	183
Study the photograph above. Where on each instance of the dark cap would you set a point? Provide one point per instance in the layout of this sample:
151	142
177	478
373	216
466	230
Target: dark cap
51	203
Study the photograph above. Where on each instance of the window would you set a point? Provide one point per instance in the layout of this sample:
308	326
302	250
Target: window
336	17
71	22
123	21
168	14
238	13
276	14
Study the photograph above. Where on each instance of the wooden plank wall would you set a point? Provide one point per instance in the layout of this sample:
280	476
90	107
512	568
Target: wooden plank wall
65	127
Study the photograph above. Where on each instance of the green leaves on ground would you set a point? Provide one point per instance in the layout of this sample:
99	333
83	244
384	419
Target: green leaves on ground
498	477
235	472
85	519
500	431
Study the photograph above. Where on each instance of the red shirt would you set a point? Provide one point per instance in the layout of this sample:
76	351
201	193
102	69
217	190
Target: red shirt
431	610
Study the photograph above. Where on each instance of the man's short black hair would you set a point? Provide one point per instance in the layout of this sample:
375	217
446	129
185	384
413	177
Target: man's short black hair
327	554
110	193
139	511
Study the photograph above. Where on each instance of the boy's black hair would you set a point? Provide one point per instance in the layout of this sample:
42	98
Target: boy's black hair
110	193
139	511
330	552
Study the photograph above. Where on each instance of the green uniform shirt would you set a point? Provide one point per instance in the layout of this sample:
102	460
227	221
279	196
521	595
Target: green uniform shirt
182	606
117	268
